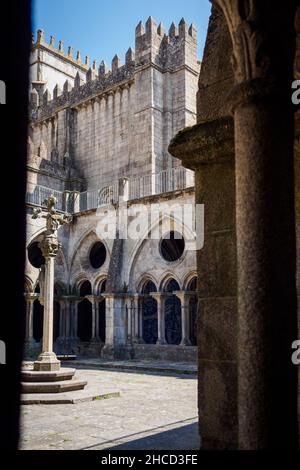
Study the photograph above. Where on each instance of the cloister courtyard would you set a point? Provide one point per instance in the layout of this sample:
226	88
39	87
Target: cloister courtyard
147	406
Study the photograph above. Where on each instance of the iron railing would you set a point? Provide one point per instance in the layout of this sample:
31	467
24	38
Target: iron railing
124	189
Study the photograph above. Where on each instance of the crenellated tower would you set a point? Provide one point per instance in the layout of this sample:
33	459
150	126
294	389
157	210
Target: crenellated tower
51	65
117	121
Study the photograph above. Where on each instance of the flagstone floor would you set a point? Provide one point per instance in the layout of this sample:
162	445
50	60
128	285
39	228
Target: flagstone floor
155	411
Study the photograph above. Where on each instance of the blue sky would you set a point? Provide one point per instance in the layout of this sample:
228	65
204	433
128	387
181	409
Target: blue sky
101	28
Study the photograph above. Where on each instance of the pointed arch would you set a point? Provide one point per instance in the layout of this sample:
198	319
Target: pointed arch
146	277
165	278
186	233
89	237
28	285
189	278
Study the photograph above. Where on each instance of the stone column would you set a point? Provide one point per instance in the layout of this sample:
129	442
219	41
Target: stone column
94	313
184	298
47	360
140	325
208	148
30	298
93	299
116	331
97	318
73	323
137	319
265	214
130	319
160	299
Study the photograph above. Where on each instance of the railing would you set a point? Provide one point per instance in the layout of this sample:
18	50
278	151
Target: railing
36	195
123	189
174	179
99	197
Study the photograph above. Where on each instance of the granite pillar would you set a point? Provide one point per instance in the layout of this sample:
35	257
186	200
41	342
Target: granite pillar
208	148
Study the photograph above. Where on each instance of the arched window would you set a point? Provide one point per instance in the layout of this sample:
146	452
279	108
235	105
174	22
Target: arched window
85	320
149	313
84	327
85	289
172	314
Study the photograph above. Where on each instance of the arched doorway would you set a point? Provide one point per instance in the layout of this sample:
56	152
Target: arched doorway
149	312
173	314
38	317
84	328
192	286
102	313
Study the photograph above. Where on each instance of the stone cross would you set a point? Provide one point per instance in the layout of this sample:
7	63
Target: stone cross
47	360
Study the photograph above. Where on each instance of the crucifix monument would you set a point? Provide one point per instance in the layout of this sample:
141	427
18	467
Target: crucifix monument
47	360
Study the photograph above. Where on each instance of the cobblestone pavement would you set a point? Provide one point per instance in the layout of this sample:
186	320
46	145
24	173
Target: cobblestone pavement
154	411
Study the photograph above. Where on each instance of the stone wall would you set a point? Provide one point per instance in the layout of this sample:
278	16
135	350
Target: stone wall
51	66
141	256
118	122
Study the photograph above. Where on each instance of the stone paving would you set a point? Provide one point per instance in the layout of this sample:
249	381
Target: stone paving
155	410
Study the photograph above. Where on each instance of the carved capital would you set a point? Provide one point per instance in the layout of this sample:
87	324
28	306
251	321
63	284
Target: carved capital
205	143
253	26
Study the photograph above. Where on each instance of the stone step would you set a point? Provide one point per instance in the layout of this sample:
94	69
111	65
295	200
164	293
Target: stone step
48	376
53	387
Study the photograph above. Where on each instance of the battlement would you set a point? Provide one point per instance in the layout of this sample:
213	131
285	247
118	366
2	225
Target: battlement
170	50
40	42
151	29
101	82
152	47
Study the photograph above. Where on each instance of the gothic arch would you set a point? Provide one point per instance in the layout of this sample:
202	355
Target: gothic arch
188	278
59	287
28	285
98	283
178	226
165	278
89	237
80	279
144	279
36	237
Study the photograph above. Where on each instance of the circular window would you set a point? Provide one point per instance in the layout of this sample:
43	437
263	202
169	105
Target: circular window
97	255
172	246
35	255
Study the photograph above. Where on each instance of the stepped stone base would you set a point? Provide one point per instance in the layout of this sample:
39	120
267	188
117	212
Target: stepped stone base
53	387
58	381
46	376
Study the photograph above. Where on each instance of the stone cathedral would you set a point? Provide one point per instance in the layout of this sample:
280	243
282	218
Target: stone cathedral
125	275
